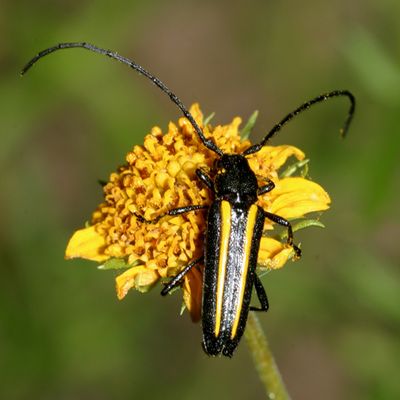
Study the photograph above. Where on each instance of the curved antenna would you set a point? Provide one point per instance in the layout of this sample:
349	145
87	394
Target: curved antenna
207	142
304	107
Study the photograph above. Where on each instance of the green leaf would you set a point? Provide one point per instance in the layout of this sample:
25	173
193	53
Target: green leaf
291	169
208	119
117	263
245	132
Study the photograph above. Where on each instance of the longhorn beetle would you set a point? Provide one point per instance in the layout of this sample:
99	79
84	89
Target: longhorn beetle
234	222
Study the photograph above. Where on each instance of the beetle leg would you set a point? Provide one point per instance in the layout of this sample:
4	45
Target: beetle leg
204	177
175	211
262	296
284	222
266	188
177	279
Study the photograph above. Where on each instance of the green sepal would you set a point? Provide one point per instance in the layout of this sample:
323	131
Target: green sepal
145	289
245	132
301	165
208	119
262	271
304	223
117	263
183	308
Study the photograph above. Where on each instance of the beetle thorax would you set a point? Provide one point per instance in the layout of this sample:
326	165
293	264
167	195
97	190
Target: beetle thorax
234	179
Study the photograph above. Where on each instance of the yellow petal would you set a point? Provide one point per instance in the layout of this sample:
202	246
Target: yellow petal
275	156
295	197
273	254
192	293
279	154
87	243
140	278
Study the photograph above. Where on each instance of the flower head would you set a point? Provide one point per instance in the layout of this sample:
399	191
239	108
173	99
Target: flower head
160	176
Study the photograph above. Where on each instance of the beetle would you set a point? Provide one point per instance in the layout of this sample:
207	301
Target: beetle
234	222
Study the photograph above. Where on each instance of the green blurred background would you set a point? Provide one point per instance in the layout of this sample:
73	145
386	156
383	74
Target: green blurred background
334	318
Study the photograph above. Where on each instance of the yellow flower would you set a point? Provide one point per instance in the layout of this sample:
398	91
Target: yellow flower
160	176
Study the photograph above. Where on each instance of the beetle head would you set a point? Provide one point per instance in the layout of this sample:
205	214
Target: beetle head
234	178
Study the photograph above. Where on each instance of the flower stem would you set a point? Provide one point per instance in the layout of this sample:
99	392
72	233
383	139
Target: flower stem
264	360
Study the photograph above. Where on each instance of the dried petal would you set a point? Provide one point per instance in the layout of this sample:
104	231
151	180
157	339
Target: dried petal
140	278
273	254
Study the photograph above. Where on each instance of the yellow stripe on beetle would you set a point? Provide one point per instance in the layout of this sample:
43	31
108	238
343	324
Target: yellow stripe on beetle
251	221
222	261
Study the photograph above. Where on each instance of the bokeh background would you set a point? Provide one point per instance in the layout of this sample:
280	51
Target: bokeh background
334	318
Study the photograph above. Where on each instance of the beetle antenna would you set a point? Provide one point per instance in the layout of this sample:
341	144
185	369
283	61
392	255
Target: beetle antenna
304	107
207	142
